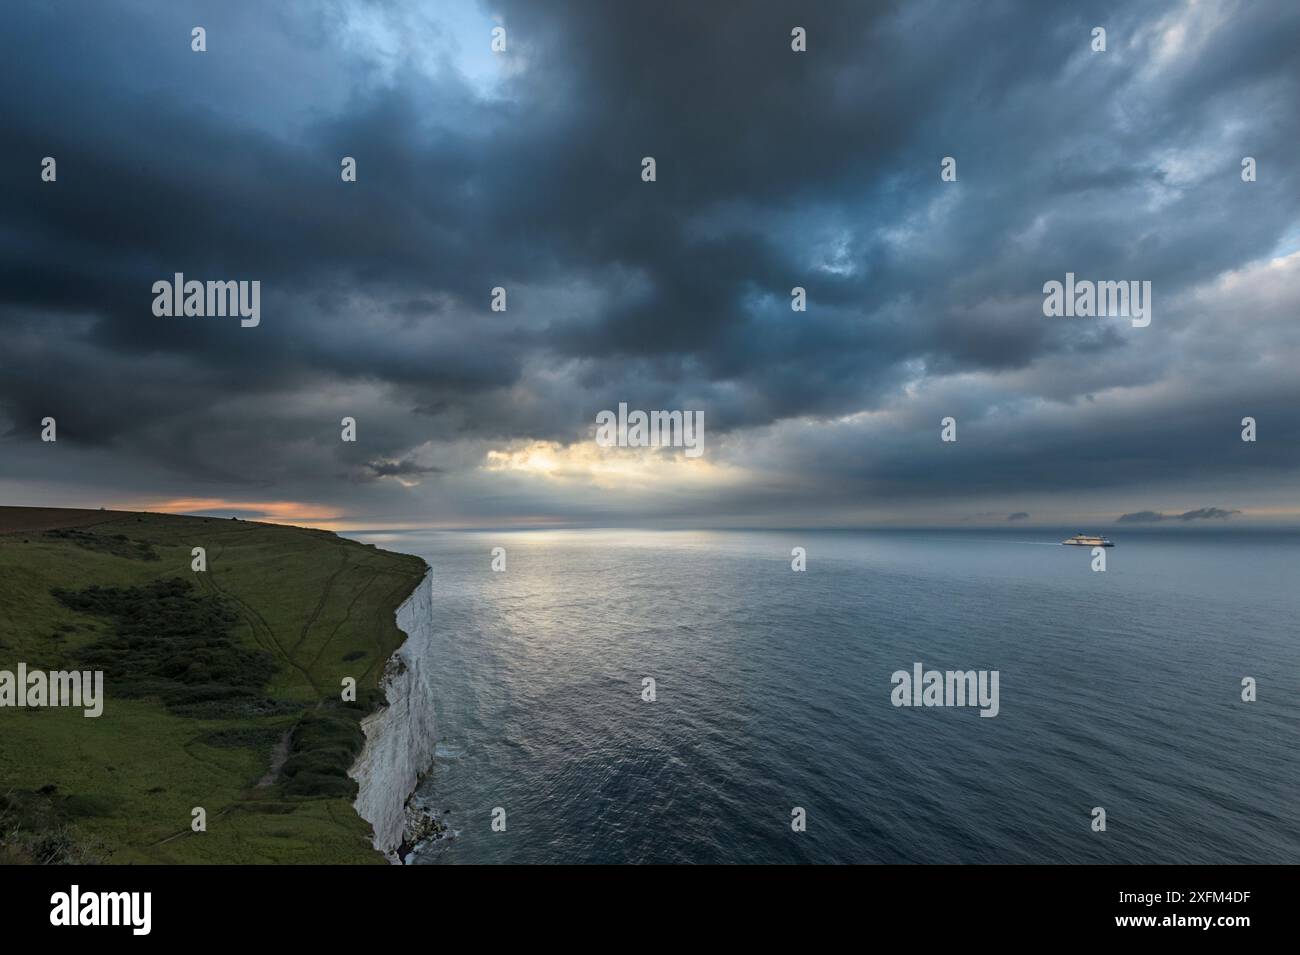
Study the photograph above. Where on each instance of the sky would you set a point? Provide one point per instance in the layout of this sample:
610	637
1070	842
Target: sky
522	169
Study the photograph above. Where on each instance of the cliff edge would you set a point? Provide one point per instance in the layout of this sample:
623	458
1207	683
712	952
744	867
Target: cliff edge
400	736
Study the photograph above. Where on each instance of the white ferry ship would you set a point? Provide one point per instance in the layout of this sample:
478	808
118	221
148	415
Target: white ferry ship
1088	540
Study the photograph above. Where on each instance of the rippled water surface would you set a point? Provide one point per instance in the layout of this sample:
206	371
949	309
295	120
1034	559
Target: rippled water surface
1119	689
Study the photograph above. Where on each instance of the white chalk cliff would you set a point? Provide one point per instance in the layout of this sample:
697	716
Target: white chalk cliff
400	737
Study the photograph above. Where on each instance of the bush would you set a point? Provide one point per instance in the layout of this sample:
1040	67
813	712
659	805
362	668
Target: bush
174	644
323	747
34	828
306	785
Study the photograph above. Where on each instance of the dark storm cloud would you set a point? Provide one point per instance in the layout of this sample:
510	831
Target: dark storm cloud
774	170
407	468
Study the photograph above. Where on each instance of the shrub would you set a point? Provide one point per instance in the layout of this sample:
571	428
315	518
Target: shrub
323	747
174	644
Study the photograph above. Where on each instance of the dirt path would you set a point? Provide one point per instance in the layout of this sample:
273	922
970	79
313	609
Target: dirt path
278	756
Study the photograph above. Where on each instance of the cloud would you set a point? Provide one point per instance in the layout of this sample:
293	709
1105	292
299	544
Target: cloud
405	469
775	170
1154	517
1206	513
1018	516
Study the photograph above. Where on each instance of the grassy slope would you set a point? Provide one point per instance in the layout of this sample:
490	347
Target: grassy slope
307	597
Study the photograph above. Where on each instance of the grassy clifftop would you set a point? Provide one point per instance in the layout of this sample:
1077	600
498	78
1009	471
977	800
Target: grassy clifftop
222	687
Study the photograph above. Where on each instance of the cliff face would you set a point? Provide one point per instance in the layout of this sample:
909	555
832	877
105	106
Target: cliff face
400	737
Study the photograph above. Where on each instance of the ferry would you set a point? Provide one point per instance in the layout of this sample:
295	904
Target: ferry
1088	540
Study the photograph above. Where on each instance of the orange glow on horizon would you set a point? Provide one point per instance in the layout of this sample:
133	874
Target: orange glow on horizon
273	512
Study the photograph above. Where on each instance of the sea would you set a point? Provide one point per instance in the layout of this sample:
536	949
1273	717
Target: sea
770	732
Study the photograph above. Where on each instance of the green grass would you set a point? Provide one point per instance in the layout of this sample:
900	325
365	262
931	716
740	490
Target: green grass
205	674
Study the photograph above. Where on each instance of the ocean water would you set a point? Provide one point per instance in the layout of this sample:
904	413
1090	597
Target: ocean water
1119	689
